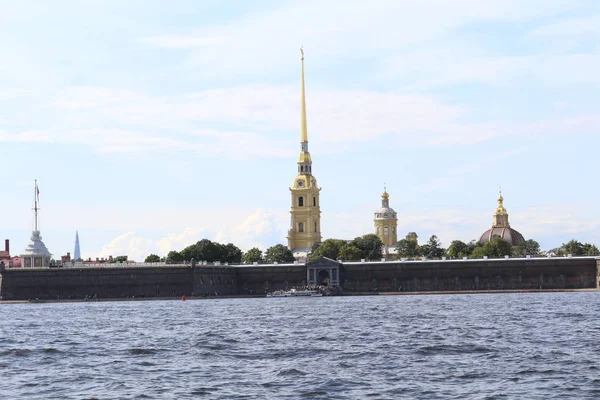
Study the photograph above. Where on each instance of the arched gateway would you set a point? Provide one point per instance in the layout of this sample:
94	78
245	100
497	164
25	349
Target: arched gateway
324	271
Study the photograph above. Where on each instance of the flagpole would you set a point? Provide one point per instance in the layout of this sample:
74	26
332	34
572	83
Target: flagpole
35	196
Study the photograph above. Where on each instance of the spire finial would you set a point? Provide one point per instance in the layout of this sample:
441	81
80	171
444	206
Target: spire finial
36	199
303	128
385	196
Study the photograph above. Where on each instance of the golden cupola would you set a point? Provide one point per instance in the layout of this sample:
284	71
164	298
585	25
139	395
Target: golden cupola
501	227
501	215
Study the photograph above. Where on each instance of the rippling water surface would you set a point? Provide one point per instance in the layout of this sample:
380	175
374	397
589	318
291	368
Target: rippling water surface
533	346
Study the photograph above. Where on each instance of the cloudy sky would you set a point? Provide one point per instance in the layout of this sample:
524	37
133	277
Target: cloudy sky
150	124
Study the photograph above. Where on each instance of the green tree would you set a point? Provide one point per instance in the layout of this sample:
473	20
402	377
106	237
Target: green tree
253	255
174	257
370	246
499	247
529	247
280	254
189	252
408	248
330	248
207	250
349	252
471	246
479	252
152	258
495	248
231	254
573	247
210	251
458	249
590	250
433	248
119	259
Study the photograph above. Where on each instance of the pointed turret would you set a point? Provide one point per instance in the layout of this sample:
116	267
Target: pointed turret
77	252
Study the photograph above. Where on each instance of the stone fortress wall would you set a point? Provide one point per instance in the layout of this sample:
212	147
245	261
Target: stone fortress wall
355	277
465	275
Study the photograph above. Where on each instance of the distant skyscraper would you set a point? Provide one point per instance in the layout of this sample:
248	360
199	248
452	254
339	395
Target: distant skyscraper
77	253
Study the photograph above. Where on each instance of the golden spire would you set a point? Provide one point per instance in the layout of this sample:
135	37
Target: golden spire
303	130
500	202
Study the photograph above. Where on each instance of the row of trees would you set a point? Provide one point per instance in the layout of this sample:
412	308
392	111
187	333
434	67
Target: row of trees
576	248
368	247
206	250
496	247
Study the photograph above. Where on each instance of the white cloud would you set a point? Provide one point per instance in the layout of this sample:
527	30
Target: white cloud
348	28
124	121
136	248
179	241
258	229
580	26
429	70
567	220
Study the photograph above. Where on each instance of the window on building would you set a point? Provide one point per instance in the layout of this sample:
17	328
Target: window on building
393	231
334	274
300	226
300	201
316	227
301	168
385	230
314	201
311	275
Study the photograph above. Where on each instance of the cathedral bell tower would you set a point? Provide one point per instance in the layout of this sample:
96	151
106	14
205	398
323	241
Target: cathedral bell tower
386	221
305	226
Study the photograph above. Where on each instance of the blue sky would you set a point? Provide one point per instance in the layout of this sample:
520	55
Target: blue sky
150	125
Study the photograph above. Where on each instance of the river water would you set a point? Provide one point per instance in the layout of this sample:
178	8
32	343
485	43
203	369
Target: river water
491	346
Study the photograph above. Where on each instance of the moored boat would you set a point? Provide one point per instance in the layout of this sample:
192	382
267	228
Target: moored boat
304	292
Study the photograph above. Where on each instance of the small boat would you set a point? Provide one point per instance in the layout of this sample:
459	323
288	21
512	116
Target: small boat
296	293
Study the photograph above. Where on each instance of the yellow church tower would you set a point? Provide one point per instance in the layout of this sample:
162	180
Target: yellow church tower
386	221
305	227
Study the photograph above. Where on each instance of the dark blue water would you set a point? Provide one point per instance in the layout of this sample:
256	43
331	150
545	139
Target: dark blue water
533	346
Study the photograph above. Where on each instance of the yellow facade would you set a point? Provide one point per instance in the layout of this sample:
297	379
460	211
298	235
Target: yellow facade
305	226
386	222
